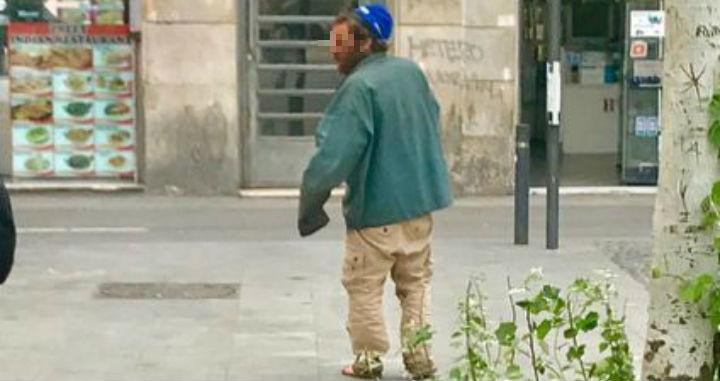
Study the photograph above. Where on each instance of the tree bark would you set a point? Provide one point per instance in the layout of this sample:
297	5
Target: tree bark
680	340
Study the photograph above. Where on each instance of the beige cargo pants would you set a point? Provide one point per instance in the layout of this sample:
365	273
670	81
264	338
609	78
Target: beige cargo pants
403	251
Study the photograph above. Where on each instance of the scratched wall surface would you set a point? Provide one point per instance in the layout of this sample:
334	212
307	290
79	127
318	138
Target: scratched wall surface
467	48
190	97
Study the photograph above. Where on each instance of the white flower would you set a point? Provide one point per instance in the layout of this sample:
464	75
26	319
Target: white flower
605	274
536	272
517	291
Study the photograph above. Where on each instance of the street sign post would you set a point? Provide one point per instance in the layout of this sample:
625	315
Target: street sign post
554	102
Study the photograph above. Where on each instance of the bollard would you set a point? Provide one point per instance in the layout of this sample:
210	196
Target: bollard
522	184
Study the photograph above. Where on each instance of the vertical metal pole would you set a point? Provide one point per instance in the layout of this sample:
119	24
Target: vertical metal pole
553	188
553	131
522	184
522	150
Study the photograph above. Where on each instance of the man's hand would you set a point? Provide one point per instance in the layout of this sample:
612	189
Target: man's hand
308	225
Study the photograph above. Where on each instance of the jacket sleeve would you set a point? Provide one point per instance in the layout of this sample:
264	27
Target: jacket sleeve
7	235
345	136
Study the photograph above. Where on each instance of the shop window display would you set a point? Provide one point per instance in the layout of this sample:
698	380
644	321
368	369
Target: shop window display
72	95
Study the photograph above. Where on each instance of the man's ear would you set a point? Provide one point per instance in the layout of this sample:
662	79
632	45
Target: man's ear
366	46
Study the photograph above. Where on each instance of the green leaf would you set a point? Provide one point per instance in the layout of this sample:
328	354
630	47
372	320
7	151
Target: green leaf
694	290
505	333
419	337
705	204
576	352
604	347
536	305
708	220
570	333
478	320
456	374
543	329
714	133
715	195
603	367
710	206
580	285
559	306
551	292
656	273
714	107
514	372
714	309
716	244
541	368
589	322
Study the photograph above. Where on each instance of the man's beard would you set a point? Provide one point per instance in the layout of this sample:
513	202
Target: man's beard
347	66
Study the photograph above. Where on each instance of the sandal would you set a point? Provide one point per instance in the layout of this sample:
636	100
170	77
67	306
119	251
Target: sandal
365	368
419	368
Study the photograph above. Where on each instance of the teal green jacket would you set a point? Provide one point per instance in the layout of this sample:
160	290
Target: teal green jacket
380	135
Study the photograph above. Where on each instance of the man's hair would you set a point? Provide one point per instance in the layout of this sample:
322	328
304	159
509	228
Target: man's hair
360	31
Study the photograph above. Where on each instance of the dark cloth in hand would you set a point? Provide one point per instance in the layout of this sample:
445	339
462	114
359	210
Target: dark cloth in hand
312	217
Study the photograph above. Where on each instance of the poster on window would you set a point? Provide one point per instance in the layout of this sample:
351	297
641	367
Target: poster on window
647	126
647	24
72	98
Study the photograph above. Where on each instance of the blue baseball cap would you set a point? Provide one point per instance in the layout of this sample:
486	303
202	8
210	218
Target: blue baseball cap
378	19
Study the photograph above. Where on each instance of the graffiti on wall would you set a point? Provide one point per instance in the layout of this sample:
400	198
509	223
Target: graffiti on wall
456	78
450	50
707	31
450	62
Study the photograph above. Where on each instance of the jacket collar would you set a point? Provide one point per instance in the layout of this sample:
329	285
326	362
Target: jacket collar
369	60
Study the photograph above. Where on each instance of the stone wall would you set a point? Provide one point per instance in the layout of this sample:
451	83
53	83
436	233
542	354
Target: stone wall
189	85
468	50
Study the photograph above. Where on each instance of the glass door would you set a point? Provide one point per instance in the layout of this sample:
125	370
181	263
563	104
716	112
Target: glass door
642	93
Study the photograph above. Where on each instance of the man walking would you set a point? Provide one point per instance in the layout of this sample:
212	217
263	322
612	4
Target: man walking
7	234
381	136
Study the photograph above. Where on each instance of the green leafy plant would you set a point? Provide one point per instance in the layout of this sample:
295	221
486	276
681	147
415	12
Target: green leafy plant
714	111
704	290
547	336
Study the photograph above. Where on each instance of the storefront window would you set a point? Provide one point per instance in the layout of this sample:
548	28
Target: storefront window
83	12
26	11
72	91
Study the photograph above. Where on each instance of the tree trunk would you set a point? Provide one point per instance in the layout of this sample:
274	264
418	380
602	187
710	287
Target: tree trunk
680	341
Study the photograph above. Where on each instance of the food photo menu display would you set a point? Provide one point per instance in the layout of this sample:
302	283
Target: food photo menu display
72	100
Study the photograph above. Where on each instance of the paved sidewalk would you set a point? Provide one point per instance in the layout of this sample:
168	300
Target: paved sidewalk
287	322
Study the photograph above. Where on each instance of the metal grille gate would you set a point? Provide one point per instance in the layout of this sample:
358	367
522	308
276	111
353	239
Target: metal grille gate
292	79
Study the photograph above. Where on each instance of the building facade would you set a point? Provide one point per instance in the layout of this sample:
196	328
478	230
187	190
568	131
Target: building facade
226	94
232	89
